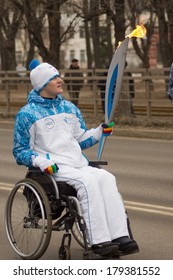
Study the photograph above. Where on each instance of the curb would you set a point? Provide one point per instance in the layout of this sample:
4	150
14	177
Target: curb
144	133
6	124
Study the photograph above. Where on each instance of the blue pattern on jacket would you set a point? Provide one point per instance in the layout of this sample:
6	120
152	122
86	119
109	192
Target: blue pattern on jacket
36	109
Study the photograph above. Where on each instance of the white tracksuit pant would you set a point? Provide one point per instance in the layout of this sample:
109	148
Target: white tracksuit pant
101	203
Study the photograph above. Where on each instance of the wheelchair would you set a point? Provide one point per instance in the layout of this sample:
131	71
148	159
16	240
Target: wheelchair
38	205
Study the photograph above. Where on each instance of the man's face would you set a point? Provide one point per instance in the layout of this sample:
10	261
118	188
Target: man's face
75	64
53	88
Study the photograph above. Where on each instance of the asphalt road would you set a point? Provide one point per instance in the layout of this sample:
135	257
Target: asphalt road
143	169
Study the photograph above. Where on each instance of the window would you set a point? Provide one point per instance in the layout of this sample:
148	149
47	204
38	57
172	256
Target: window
72	54
82	55
81	32
71	34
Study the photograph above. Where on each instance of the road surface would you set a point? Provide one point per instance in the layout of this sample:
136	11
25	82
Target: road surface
143	169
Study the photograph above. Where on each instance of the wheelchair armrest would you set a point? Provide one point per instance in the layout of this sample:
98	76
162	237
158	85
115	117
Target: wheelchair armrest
34	169
97	163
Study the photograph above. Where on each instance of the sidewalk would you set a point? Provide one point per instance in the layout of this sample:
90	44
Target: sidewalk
123	130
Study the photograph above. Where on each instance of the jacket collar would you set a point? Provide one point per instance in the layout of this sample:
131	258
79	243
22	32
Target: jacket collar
35	97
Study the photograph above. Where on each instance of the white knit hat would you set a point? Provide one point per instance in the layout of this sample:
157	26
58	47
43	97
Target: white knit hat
41	74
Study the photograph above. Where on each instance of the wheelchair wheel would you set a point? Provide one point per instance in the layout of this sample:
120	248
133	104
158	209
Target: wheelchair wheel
28	219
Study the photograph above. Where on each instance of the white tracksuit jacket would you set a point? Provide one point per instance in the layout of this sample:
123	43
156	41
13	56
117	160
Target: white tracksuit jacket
55	129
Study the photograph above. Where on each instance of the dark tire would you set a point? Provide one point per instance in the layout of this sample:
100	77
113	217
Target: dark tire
28	219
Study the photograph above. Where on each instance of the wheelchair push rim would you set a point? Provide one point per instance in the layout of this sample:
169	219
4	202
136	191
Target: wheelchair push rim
28	220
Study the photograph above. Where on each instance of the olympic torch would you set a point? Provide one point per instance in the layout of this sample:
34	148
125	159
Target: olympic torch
114	80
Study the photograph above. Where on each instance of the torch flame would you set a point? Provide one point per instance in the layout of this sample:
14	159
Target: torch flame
138	32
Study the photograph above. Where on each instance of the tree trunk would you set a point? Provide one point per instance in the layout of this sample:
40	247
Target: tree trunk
169	9
8	58
109	39
7	52
119	21
163	38
95	32
87	36
10	21
31	52
54	35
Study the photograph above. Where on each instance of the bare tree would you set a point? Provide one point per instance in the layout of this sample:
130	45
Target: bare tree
35	14
97	16
94	16
115	11
142	46
10	20
159	6
161	13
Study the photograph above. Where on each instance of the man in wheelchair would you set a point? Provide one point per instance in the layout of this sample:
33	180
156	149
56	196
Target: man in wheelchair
50	134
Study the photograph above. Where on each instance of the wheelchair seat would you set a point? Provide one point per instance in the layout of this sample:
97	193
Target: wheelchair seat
46	182
55	191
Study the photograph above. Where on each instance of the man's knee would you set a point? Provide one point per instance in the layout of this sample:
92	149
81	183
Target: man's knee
107	175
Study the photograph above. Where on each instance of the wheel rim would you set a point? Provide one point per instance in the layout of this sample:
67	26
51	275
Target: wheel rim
26	226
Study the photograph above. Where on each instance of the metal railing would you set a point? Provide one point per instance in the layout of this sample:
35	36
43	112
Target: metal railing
150	91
